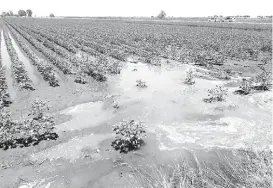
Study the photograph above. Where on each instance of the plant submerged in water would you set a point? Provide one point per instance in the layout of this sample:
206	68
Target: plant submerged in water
141	84
217	94
189	77
264	79
129	136
245	87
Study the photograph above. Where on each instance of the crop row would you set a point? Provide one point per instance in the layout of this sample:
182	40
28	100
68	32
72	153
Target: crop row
64	66
18	68
84	66
89	44
118	40
3	84
185	44
83	43
43	67
111	64
80	66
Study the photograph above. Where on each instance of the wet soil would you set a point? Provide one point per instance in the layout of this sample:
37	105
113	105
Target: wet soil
179	125
32	72
6	61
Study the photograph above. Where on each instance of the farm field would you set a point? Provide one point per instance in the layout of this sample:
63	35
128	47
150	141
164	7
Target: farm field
201	94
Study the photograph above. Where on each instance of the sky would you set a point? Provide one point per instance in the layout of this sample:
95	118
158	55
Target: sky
177	8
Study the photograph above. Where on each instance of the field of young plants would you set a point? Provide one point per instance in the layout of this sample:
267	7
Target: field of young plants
124	103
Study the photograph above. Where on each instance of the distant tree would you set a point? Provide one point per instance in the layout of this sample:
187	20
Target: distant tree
51	15
162	14
10	13
4	14
22	13
29	12
7	14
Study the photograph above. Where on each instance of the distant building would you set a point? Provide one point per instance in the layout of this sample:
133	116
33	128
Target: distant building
220	18
264	17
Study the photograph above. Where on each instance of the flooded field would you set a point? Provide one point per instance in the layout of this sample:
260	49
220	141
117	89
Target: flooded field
7	64
29	67
179	124
123	104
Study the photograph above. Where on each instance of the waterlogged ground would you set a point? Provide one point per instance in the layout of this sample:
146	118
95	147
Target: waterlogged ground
178	123
67	94
29	68
6	61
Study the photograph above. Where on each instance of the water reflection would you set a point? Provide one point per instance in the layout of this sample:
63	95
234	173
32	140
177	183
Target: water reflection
6	62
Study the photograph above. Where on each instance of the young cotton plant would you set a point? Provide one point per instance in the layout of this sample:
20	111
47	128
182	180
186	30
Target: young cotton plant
245	87
129	136
41	123
217	94
38	108
24	132
141	84
189	77
6	127
264	79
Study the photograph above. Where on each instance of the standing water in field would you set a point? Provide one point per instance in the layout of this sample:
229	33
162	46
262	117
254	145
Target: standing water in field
176	113
6	62
178	123
29	68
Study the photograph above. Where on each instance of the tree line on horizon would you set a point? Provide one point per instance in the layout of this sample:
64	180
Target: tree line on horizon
22	13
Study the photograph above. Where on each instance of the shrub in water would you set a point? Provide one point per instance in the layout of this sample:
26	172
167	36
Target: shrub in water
189	77
245	87
80	79
264	79
129	136
216	94
141	84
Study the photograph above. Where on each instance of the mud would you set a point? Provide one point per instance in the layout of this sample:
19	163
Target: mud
179	124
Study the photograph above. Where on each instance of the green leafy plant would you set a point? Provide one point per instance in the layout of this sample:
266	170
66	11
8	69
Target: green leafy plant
264	79
80	79
189	77
141	84
245	87
25	132
217	94
115	104
129	136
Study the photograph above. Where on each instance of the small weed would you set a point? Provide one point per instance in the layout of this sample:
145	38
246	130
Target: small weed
115	105
243	169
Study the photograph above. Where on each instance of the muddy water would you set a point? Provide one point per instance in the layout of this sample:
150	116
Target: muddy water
29	68
178	122
6	61
71	150
175	112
